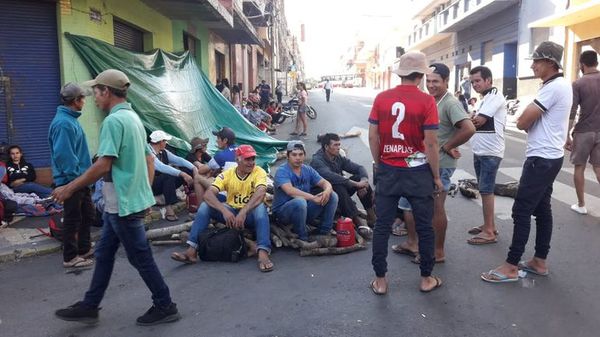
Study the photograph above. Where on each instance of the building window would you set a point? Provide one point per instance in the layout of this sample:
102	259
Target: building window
487	52
128	37
538	35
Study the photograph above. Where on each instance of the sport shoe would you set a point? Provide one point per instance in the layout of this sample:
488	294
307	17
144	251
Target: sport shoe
78	313
156	315
577	209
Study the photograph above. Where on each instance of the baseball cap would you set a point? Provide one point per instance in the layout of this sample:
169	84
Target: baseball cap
198	143
412	62
550	51
111	78
72	91
245	151
295	145
225	132
159	135
441	69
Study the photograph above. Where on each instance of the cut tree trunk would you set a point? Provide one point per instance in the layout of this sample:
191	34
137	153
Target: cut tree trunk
330	250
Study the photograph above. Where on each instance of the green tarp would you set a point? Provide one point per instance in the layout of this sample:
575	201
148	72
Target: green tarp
172	94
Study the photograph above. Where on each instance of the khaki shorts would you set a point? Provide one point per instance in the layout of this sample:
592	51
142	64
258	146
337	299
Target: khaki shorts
586	145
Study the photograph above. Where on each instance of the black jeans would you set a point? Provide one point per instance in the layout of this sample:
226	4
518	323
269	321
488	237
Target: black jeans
417	187
533	198
78	215
327	94
346	206
279	97
166	185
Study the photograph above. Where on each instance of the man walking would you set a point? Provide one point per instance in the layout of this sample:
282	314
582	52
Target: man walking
70	158
128	169
546	123
327	88
585	144
404	146
488	149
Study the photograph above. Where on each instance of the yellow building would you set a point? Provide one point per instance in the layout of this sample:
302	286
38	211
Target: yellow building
582	31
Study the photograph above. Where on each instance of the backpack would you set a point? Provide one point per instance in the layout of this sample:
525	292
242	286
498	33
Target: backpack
221	244
55	224
7	209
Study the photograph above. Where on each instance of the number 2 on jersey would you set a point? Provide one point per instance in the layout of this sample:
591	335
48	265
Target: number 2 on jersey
398	110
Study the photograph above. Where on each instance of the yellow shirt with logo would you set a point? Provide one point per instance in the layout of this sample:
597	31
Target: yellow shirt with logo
240	190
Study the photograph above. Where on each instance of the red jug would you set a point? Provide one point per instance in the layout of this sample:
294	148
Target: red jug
345	232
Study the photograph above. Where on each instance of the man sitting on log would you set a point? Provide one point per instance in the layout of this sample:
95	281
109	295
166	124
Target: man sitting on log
293	202
331	166
246	186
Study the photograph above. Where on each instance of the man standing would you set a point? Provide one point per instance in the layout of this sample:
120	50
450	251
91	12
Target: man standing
327	88
546	123
70	158
293	202
331	166
585	144
264	93
465	87
128	169
488	149
246	186
404	147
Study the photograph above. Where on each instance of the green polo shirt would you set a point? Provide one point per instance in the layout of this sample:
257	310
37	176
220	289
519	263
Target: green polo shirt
123	137
451	112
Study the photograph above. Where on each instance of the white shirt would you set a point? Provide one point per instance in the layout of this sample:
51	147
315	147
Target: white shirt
327	85
547	135
488	139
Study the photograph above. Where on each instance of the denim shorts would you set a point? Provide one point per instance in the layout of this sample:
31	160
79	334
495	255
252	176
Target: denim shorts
445	175
486	168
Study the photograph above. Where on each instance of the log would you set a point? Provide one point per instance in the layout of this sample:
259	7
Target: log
306	245
359	239
330	250
168	231
166	242
276	241
279	232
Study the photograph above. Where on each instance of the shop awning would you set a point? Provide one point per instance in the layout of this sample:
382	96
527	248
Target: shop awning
572	16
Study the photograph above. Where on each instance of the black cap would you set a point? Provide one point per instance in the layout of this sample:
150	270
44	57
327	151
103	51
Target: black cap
225	132
441	69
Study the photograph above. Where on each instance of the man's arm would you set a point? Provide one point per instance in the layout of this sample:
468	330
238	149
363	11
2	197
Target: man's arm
293	192
531	114
465	130
374	142
569	141
319	164
210	197
326	194
99	169
432	153
150	167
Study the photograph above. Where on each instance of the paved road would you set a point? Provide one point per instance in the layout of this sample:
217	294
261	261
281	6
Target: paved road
329	296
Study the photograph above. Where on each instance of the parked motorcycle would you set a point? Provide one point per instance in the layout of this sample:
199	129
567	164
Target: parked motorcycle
290	109
512	106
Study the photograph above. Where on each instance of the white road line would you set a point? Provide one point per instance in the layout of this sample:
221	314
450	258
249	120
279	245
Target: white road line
364	135
502	205
588	174
562	192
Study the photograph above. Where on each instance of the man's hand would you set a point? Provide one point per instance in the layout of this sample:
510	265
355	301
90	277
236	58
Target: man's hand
569	144
438	186
240	219
454	153
478	121
62	193
188	180
362	192
229	218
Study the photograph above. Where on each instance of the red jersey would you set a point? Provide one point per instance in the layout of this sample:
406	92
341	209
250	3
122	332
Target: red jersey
402	114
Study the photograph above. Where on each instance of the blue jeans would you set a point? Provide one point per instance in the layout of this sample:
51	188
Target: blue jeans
2	172
30	187
257	219
298	211
131	233
533	198
486	168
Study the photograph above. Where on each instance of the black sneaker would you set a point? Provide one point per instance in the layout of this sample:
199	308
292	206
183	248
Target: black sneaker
78	313
156	315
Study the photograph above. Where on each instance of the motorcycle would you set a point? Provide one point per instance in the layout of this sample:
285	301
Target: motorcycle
290	109
512	106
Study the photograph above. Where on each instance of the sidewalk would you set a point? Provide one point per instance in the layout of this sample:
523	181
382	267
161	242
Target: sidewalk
20	239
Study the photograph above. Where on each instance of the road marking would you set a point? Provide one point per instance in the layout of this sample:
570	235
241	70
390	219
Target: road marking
364	135
562	192
502	205
588	174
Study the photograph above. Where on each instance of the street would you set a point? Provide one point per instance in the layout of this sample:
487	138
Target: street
330	296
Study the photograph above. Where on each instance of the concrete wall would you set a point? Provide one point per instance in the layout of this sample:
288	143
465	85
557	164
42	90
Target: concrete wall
198	31
76	19
216	43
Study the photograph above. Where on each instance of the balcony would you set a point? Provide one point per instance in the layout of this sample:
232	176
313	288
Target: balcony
243	31
462	14
210	12
254	7
425	35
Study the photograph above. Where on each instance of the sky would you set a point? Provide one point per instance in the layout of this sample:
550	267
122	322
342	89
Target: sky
333	26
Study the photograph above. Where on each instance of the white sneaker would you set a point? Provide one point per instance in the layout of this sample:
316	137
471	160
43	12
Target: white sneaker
577	209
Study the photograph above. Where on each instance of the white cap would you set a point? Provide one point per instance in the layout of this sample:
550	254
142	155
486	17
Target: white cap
159	135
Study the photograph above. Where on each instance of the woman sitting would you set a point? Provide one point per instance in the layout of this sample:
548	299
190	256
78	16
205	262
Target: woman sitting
21	174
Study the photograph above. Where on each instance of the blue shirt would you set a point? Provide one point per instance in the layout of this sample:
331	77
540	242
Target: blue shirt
69	152
307	179
223	159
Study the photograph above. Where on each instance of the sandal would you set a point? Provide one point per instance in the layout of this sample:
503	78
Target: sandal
417	260
377	291
265	265
525	267
438	283
477	230
183	258
494	276
366	232
478	241
171	217
88	255
78	262
399	249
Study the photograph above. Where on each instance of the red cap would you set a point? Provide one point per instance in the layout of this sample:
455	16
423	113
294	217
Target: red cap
245	151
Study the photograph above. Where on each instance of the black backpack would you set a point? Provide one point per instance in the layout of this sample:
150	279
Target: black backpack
223	244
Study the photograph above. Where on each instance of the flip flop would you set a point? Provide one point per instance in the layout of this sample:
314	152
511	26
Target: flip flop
477	230
417	260
399	231
375	291
525	267
78	263
494	276
398	249
366	232
182	258
171	217
438	283
262	265
478	241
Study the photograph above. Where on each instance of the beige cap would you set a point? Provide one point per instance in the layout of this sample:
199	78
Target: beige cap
159	135
111	78
412	62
